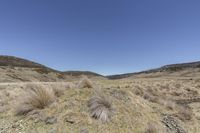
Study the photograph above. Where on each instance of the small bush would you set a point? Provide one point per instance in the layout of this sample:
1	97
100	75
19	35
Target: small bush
138	91
36	97
85	83
42	70
100	107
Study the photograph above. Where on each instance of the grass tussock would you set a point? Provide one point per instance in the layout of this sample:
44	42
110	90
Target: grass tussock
184	114
58	91
100	107
152	128
35	97
85	83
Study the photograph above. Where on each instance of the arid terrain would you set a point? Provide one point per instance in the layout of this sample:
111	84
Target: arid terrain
38	99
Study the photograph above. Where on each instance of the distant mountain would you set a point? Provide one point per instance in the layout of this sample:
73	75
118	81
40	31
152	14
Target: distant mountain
167	68
14	69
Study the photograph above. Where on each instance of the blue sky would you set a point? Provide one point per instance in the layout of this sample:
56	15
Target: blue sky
104	36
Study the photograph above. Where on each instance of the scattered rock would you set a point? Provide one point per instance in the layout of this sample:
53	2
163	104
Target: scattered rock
51	120
84	131
172	125
53	130
15	125
71	119
37	116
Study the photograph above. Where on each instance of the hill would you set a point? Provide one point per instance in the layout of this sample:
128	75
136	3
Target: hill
18	62
182	69
14	69
34	100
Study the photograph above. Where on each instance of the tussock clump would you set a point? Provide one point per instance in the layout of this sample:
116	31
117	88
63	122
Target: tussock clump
120	95
151	98
85	83
59	88
170	105
36	97
138	91
100	107
58	91
184	114
152	128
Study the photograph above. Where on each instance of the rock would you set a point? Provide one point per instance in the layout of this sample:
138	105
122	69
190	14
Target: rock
15	125
172	125
53	130
51	120
72	120
84	131
37	116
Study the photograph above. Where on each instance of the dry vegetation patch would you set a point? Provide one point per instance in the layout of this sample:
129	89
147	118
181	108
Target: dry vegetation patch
100	107
35	97
152	127
85	83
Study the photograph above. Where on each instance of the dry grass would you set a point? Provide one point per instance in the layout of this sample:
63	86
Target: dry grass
152	128
58	91
36	97
137	101
85	83
100	107
184	114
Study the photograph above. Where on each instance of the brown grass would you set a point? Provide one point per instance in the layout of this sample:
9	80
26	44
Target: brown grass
184	114
152	128
85	83
36	97
100	107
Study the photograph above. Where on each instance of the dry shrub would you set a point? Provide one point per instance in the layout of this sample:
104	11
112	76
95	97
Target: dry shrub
184	114
100	107
151	98
151	91
85	83
152	128
36	97
120	95
170	105
138	91
58	89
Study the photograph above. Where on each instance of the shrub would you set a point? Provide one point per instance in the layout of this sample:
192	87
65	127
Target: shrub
36	97
100	107
42	70
85	83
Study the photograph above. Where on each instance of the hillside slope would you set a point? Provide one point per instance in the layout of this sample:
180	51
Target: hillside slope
182	69
14	69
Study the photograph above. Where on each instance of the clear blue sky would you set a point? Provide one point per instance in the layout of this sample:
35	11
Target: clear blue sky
104	36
